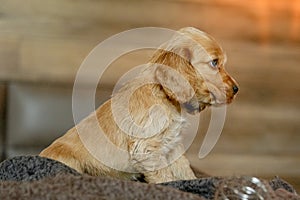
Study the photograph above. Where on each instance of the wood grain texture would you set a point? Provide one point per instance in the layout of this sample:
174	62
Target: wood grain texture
3	103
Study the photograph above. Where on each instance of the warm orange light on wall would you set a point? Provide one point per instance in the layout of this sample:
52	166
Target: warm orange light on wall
266	10
295	22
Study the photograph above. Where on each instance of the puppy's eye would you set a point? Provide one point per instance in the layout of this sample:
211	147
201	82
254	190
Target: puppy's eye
214	63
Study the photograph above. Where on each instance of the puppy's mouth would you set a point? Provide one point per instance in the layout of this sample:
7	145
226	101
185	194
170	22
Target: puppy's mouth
217	100
194	106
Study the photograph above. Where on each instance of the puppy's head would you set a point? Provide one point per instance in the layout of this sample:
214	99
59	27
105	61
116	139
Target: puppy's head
191	71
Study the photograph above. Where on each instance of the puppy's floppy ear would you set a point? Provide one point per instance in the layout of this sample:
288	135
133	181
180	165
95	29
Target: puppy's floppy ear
174	84
186	54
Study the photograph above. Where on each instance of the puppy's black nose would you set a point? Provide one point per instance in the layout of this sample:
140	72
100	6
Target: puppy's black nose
235	89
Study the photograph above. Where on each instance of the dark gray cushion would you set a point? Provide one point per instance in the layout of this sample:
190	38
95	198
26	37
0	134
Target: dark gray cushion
29	168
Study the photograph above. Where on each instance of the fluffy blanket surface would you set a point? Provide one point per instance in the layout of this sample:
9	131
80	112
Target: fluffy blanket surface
34	177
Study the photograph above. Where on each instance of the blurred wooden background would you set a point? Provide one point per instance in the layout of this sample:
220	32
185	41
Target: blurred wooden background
46	41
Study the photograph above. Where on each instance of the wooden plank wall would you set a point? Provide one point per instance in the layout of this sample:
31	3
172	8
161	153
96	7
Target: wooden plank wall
48	40
2	120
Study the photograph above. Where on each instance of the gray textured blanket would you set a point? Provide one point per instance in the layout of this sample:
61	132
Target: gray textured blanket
34	177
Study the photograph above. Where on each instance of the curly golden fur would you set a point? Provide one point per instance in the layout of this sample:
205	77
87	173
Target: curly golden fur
186	74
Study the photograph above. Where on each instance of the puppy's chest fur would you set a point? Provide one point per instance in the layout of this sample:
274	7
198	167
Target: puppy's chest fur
168	139
159	150
161	122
